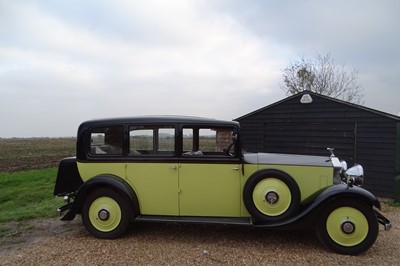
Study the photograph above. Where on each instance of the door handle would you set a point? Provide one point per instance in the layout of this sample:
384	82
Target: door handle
173	167
236	168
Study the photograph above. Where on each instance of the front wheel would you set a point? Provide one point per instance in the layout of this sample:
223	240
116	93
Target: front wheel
348	227
106	213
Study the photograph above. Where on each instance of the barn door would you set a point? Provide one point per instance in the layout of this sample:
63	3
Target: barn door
311	138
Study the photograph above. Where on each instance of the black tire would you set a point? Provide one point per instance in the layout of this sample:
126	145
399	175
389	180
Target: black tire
271	196
106	213
347	226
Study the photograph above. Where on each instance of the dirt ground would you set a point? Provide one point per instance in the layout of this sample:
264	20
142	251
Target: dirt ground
53	242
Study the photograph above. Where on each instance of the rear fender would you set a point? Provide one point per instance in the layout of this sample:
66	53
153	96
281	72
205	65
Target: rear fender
110	181
68	178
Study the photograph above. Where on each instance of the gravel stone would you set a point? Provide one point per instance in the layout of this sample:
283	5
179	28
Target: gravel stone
53	242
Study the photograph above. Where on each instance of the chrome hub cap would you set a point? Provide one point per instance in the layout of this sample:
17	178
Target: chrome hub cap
272	197
348	227
104	214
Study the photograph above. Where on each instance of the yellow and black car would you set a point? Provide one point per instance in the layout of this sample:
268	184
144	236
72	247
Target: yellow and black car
187	169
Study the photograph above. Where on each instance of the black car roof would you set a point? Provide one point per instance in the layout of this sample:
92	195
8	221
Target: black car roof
161	119
83	137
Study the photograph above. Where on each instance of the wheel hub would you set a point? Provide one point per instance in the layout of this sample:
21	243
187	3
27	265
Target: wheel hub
348	227
272	197
104	214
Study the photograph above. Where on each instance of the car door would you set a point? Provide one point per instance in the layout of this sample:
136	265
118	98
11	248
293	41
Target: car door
209	189
156	186
151	169
209	176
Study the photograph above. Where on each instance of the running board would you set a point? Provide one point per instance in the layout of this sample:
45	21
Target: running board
197	220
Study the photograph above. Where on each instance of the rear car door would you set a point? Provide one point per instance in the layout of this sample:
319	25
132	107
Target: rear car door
151	169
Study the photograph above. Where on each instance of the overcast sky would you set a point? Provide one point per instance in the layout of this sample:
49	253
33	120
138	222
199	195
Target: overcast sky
63	62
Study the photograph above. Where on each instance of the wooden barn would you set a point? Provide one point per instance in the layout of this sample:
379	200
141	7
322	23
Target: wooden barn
308	123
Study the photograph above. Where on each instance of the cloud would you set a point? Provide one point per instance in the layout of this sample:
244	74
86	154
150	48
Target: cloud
312	24
68	61
359	34
171	58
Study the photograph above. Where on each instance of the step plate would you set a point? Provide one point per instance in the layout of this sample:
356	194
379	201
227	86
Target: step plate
197	220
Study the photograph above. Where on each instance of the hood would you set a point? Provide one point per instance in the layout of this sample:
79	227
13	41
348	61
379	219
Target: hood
289	159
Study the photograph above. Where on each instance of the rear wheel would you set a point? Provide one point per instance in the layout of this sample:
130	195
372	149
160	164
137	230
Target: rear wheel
348	227
271	196
106	213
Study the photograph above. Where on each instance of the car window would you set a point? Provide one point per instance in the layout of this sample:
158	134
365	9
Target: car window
106	140
166	139
187	139
145	140
207	141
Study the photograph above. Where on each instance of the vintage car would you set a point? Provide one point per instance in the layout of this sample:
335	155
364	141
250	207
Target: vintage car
194	170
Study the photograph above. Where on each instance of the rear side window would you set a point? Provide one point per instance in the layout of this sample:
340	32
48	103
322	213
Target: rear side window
106	140
145	140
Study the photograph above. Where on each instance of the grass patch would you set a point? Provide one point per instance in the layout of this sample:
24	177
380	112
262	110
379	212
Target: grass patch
3	231
394	203
27	195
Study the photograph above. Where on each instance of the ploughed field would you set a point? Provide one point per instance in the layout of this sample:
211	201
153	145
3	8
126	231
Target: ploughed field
20	154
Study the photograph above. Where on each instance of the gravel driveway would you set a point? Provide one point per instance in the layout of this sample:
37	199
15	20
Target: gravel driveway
52	242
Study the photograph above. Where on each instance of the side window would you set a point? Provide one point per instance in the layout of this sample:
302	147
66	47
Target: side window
166	140
141	141
225	140
151	140
215	140
106	140
207	141
187	140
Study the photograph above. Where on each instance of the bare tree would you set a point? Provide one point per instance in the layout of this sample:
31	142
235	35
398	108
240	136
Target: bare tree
323	76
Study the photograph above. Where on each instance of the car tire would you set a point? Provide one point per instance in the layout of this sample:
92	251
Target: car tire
271	196
347	226
106	213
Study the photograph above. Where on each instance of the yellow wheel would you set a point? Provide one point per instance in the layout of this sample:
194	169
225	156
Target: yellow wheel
271	196
106	213
348	226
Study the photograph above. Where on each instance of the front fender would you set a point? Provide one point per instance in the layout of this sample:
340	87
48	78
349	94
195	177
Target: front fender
321	200
112	181
312	206
344	191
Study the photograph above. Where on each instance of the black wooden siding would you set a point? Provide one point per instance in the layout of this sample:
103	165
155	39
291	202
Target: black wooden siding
358	134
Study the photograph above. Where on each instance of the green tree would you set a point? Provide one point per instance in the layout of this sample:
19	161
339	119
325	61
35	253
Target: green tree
323	76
